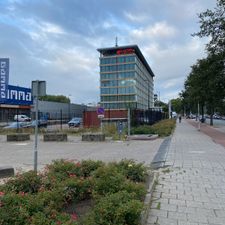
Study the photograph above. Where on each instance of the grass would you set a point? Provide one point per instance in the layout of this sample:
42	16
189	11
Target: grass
158	206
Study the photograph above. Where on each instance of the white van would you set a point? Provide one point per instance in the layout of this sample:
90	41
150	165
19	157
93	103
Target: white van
22	118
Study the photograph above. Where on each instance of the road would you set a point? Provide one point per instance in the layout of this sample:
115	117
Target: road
19	155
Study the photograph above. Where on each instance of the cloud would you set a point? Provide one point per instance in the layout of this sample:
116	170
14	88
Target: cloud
56	40
158	30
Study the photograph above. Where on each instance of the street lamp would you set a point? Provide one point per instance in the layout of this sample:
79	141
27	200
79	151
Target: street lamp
69	107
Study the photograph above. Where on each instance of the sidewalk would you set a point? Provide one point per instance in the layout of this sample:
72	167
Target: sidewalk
191	190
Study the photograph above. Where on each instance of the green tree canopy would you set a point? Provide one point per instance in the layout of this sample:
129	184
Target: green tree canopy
206	83
212	24
55	98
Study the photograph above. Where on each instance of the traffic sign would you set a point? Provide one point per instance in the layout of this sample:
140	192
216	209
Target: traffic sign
100	111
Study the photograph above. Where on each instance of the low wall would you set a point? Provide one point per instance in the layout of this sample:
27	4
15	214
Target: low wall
6	172
93	137
55	137
18	137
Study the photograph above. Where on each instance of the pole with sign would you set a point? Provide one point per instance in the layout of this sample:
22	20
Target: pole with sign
100	112
38	89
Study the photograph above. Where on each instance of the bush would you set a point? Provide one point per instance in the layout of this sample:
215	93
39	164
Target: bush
136	172
145	129
28	182
107	179
116	209
89	166
75	189
162	128
35	199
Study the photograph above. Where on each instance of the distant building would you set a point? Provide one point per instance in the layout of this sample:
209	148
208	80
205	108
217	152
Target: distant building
126	79
18	101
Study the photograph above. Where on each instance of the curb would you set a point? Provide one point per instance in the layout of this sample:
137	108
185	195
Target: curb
6	171
148	198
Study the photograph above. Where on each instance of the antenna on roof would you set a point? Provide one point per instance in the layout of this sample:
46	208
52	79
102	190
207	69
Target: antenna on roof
116	42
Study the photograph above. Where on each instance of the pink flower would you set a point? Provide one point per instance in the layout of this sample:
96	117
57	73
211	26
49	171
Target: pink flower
73	216
72	175
2	193
21	193
59	222
78	164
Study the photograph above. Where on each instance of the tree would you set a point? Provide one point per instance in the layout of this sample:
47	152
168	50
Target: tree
206	83
212	23
177	105
55	98
164	106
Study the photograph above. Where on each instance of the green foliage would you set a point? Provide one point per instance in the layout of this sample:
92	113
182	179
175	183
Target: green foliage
177	105
88	166
212	24
136	172
144	129
116	209
28	182
162	128
38	199
107	179
55	98
206	83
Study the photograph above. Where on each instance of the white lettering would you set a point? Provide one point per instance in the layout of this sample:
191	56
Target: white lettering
3	64
28	96
3	72
21	95
3	95
13	94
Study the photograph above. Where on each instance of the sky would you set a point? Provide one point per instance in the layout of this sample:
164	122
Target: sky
56	41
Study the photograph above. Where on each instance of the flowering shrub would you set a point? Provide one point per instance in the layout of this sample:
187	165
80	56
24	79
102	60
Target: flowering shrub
116	209
89	166
28	182
107	179
38	199
136	172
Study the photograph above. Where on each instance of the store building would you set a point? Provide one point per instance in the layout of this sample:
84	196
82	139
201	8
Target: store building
18	101
126	79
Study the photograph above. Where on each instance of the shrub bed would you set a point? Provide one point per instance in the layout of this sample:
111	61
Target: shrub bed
162	128
117	190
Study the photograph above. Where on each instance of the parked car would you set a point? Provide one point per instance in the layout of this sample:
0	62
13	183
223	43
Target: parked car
22	118
41	123
15	125
75	122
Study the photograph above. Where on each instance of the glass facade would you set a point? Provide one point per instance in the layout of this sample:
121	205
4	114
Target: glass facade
125	82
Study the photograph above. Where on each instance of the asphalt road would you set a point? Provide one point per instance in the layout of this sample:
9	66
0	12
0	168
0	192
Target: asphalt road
19	155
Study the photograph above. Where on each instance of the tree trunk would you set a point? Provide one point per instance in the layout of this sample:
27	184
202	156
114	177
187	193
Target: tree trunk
211	119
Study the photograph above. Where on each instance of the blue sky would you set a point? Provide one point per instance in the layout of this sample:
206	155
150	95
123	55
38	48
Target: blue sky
56	41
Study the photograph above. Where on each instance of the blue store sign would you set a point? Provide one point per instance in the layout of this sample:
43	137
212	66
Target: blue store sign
18	96
4	78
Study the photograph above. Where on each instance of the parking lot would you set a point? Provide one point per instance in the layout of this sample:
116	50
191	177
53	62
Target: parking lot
20	154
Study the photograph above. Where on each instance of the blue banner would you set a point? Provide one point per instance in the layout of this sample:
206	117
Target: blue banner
18	96
4	78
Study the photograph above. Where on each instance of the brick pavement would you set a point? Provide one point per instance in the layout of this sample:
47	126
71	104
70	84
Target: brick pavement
191	190
218	136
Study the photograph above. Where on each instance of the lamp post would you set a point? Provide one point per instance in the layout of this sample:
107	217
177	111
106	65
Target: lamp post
69	107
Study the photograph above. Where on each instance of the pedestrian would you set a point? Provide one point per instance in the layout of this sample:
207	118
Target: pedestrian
179	118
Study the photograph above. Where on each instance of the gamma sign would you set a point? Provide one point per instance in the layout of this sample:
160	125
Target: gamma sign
100	112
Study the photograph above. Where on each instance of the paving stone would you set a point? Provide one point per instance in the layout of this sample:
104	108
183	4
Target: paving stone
195	184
